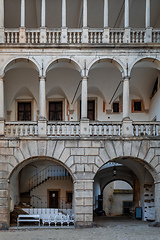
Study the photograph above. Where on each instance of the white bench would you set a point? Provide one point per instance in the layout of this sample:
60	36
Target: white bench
28	218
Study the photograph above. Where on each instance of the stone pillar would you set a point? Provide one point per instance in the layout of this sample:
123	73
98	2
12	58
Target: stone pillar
84	13
42	122
1	21
43	14
106	19
22	13
126	14
127	122
4	203
157	201
126	100
64	16
42	97
148	13
1	106
83	209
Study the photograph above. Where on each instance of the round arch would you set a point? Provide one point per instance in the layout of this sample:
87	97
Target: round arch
25	162
74	64
151	59
116	62
20	61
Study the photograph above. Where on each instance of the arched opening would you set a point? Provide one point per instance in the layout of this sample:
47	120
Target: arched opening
62	84
105	89
144	90
122	186
21	90
42	186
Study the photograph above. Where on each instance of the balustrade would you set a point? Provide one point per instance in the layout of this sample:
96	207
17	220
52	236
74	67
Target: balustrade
63	129
11	36
116	36
105	129
138	36
20	129
141	129
75	36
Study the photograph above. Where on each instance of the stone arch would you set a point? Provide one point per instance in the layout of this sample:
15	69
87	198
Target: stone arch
151	59
138	151
116	62
11	62
75	64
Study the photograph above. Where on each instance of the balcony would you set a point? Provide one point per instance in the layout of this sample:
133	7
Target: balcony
80	36
73	129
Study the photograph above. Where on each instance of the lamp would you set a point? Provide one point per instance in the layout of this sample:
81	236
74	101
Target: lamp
114	171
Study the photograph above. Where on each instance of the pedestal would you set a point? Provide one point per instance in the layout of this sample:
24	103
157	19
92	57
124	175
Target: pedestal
84	127
127	128
42	127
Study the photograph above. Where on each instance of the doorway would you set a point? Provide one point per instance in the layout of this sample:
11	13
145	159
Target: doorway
53	199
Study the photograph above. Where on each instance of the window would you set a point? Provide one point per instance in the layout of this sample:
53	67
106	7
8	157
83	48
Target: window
116	107
55	111
90	110
24	111
69	197
137	106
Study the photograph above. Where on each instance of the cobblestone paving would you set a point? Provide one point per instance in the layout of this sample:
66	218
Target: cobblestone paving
107	229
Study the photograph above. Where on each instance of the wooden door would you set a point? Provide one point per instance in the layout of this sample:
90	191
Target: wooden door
53	199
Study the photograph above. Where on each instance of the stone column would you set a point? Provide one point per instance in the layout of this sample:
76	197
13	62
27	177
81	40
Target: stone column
84	125
22	13
1	106
83	209
42	122
126	100
157	201
4	205
106	19
148	13
126	14
42	97
84	13
43	14
1	21
127	122
64	16
1	13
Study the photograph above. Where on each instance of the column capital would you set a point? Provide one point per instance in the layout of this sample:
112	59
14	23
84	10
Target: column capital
84	74
126	78
42	78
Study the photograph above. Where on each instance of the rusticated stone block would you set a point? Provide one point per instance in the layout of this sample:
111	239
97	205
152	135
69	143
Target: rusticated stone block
77	151
84	144
58	149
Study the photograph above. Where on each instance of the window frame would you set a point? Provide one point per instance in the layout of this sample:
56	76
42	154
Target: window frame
24	101
63	108
142	105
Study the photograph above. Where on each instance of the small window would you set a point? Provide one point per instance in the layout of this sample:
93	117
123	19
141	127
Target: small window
116	107
55	111
137	106
90	110
24	111
69	197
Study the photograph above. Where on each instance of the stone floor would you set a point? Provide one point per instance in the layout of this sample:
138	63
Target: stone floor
107	229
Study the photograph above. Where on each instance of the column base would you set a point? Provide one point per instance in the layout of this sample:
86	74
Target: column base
84	127
85	224
43	35
64	33
42	127
85	35
106	35
127	128
127	35
22	35
1	35
148	35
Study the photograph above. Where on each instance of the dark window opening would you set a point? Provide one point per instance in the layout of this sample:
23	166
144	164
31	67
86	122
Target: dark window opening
69	197
137	106
116	107
126	207
24	111
90	110
55	111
